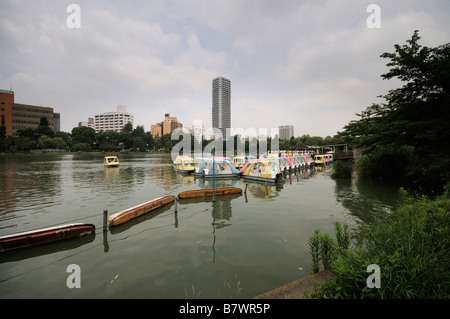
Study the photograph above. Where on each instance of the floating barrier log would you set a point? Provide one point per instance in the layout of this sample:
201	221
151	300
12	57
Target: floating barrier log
209	192
44	236
139	210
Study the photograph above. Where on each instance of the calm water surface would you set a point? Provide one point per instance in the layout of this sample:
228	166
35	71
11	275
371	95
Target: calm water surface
236	247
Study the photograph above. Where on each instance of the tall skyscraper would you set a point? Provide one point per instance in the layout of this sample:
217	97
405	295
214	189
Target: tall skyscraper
221	105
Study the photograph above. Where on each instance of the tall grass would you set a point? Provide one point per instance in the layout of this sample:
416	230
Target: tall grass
412	250
324	249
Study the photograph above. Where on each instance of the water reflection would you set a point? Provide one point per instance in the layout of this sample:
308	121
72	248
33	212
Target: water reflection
47	249
28	187
204	241
366	201
267	192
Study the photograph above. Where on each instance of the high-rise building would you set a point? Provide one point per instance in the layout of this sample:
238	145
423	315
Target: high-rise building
113	121
165	127
221	105
286	132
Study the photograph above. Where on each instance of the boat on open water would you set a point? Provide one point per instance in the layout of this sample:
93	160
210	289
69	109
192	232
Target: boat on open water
111	161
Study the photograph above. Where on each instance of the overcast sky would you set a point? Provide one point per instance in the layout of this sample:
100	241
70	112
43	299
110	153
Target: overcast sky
310	64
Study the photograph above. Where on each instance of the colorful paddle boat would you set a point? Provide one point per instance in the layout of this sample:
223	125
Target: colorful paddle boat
220	168
281	162
321	159
182	158
263	170
185	166
240	161
309	160
331	154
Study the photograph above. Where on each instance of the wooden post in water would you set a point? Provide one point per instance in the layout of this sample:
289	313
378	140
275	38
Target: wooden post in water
214	186
105	220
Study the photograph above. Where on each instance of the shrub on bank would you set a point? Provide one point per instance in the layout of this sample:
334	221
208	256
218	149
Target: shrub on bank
342	169
412	249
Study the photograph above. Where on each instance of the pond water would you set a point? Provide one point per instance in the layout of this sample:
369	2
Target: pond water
236	247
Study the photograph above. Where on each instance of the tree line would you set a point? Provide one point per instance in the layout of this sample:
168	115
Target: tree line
85	139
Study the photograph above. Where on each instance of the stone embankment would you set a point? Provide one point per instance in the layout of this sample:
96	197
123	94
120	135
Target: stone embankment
298	288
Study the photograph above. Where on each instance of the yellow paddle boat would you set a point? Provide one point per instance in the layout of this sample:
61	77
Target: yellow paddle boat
263	170
111	161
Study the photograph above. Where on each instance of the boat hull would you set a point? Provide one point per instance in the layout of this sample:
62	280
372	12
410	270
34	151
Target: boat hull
262	179
44	236
209	192
141	209
222	175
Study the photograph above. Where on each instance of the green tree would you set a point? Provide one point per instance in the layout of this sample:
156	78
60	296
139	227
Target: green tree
45	142
128	127
407	137
44	128
59	143
108	141
83	134
149	140
139	139
126	139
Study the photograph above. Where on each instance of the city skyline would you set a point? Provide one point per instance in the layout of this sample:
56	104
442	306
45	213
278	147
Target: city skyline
315	62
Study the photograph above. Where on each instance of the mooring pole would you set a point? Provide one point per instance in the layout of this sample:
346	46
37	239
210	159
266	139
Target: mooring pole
105	220
214	183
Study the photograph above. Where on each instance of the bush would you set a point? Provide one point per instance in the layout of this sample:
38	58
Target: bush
412	250
82	147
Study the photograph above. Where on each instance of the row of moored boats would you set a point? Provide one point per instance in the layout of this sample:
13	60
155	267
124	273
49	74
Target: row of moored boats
268	168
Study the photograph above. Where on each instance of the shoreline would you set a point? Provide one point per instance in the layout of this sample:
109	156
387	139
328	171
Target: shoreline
297	289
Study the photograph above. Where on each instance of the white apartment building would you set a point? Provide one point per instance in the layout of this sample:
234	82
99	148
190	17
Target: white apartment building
113	121
198	130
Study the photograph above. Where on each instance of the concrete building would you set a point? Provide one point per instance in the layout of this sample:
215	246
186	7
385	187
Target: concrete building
198	130
286	132
113	121
165	127
23	116
89	123
221	105
6	106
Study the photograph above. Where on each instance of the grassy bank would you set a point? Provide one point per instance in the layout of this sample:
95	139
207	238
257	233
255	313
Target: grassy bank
411	248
